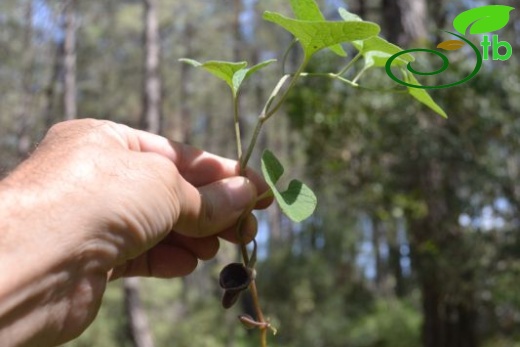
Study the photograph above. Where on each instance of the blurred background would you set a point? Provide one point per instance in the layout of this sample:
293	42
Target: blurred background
415	242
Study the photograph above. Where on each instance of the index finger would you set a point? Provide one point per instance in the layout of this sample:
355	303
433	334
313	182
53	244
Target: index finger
198	167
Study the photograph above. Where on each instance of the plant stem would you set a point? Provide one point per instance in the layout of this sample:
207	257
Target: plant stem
358	76
267	112
259	315
294	78
238	138
349	65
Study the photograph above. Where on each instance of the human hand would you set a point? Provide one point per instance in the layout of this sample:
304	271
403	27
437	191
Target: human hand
114	201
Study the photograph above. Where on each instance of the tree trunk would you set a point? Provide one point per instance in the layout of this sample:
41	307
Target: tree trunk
151	121
139	329
69	96
438	254
182	122
414	20
377	232
151	118
405	21
26	107
50	90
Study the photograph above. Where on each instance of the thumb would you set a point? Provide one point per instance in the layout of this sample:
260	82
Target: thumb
213	208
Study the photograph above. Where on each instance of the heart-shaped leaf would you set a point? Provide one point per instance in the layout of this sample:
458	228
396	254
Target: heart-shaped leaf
230	72
421	95
377	51
309	10
297	202
316	35
451	45
482	19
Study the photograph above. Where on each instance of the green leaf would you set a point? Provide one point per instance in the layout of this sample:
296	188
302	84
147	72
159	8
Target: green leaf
316	35
309	10
243	74
297	202
349	17
482	19
421	95
231	73
377	51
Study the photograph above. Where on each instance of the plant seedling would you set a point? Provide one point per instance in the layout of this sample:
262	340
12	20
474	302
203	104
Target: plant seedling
297	201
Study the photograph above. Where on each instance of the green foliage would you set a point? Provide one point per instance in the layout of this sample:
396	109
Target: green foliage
391	323
298	202
377	50
421	95
309	10
231	73
317	35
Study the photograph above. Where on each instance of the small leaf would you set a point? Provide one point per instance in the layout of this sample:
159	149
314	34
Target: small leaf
309	10
484	19
349	17
317	35
421	95
298	201
451	45
243	74
255	68
377	51
224	70
231	73
191	62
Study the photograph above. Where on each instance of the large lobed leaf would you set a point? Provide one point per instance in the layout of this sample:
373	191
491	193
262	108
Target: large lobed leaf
309	10
317	35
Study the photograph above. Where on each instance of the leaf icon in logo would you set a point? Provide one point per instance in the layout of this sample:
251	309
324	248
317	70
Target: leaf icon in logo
451	45
483	19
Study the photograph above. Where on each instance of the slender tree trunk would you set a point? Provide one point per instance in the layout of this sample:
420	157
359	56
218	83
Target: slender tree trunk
50	90
377	231
414	20
151	118
405	21
447	292
140	332
26	107
182	123
151	121
69	95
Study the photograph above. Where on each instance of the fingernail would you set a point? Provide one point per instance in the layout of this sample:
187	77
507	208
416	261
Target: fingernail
241	192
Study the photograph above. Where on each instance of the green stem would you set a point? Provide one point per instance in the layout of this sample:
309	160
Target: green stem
351	83
358	76
237	129
294	79
259	315
350	64
286	54
267	112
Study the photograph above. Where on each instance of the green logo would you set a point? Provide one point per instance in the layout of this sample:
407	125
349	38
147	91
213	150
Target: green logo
480	20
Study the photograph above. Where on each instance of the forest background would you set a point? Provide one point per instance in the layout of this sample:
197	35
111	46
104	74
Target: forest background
416	239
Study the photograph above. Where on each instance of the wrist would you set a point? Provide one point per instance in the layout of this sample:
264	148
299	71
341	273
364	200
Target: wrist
45	257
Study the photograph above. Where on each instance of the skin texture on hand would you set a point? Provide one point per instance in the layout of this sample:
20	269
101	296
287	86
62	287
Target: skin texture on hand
97	201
